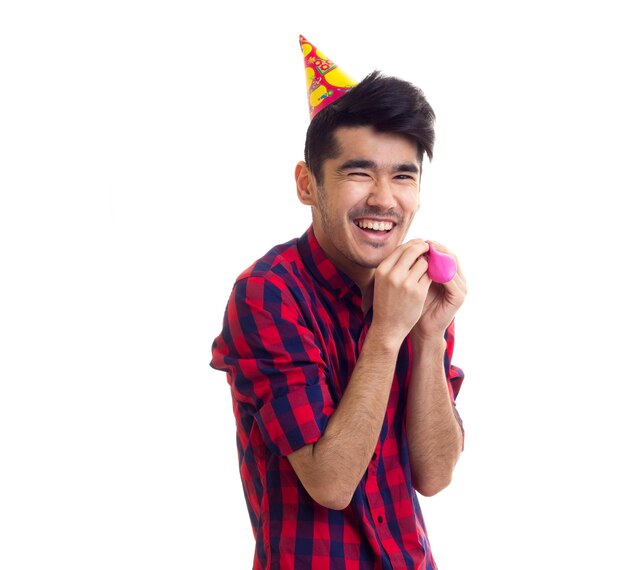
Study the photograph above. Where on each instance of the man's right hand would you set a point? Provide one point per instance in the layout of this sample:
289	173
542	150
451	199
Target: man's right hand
401	284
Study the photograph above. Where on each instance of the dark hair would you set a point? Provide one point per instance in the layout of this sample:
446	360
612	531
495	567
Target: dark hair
387	104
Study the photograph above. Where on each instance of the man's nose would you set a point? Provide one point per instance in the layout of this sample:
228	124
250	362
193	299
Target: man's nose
382	195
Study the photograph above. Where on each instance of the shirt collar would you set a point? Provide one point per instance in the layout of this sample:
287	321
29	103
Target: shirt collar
323	269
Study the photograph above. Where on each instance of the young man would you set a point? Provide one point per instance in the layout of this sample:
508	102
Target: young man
337	345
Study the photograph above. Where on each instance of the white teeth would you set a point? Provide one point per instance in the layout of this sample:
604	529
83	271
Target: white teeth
374	225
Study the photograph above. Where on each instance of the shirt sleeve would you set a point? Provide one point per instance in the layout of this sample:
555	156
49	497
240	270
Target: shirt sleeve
274	365
454	374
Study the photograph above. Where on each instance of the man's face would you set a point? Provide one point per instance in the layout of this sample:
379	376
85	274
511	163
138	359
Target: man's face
363	207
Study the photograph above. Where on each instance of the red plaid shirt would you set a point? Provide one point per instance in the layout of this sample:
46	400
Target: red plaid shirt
293	330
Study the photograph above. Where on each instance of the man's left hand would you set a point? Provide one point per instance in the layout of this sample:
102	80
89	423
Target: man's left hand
442	303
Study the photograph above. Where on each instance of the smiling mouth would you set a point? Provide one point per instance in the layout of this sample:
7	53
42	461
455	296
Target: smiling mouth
375	225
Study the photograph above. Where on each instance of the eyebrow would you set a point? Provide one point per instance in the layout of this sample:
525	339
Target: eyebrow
371	165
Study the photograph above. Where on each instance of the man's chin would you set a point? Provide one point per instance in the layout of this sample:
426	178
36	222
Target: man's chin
378	252
371	262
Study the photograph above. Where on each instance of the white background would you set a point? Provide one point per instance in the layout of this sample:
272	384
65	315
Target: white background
146	158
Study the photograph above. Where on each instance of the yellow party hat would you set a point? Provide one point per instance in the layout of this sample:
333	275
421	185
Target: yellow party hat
325	82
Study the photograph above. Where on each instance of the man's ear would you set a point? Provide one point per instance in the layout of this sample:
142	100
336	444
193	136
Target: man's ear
305	184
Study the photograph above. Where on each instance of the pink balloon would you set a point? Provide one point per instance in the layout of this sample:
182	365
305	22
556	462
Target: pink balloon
441	266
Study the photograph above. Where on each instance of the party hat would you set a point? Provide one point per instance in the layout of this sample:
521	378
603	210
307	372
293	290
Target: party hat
325	82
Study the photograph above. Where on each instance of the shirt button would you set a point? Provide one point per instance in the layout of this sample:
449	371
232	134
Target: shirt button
380	519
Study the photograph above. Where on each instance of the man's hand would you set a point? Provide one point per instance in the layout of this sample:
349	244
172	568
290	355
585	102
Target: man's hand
441	304
401	288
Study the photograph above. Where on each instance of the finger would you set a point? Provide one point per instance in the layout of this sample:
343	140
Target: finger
404	256
419	269
424	280
411	255
456	286
460	276
393	257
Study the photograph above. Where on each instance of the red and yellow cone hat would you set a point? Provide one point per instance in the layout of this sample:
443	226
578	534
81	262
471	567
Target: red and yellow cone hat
325	82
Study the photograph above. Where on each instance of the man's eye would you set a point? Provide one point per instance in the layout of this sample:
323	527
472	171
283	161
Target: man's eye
404	177
357	174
